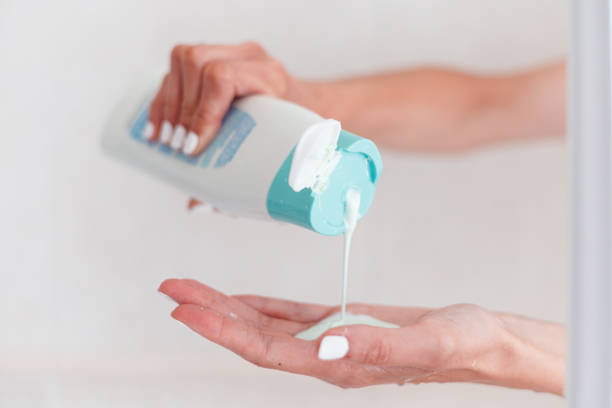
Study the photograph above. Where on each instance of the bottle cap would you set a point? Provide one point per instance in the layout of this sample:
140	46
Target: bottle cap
354	163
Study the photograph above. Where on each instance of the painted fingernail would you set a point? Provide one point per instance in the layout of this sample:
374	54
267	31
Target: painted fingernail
191	143
147	132
333	347
166	132
178	138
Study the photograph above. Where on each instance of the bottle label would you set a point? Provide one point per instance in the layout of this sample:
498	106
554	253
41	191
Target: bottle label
236	126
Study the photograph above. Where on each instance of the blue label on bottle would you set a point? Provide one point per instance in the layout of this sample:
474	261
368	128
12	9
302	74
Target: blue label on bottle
236	126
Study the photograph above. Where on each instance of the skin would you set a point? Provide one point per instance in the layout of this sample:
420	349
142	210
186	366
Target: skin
459	343
426	109
423	110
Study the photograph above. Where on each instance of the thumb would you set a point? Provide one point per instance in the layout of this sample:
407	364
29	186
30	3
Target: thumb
370	345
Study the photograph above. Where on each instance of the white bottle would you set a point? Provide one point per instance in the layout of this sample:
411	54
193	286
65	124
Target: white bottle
271	159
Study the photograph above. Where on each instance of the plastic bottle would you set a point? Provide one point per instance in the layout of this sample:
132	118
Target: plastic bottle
271	159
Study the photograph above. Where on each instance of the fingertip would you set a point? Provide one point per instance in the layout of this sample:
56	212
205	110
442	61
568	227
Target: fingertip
165	134
186	313
178	137
191	143
200	138
149	131
178	313
200	319
166	285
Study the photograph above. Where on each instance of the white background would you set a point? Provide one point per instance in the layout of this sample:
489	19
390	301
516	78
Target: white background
84	241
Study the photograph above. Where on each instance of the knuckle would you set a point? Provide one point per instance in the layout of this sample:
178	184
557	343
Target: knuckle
186	111
469	308
276	65
281	77
202	49
254	47
177	51
377	353
193	56
446	348
217	71
172	97
204	116
443	349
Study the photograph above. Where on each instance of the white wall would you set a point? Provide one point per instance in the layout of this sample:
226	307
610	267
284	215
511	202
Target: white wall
85	241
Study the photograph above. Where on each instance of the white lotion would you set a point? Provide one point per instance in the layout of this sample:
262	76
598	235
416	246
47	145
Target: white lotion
351	216
335	320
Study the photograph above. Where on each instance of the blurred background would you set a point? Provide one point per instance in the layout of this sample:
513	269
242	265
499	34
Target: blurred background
85	241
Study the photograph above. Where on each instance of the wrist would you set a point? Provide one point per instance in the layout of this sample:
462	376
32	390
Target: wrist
530	355
330	99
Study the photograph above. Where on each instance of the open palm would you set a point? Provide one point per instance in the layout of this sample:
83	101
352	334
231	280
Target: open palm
450	344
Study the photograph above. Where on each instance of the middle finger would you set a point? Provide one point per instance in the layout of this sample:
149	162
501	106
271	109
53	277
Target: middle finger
190	62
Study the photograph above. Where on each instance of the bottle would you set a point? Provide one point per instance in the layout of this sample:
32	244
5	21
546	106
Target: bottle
271	159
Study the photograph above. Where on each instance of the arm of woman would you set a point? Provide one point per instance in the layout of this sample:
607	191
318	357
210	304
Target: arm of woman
438	110
417	110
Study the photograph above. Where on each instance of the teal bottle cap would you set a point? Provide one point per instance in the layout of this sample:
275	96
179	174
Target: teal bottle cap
322	211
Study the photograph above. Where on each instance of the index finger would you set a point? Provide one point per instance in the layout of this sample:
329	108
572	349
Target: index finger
265	348
287	309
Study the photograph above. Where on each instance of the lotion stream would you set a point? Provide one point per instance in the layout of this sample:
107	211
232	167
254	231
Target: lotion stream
351	216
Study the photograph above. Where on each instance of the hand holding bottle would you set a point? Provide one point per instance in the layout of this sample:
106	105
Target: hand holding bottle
202	83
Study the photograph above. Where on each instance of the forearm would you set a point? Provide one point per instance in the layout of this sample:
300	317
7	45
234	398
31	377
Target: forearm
534	355
441	110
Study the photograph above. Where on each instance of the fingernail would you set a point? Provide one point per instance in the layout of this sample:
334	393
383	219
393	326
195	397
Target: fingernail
178	138
147	132
191	143
333	347
166	132
202	209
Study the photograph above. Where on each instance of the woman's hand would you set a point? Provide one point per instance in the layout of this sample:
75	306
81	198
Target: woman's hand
201	85
418	110
460	343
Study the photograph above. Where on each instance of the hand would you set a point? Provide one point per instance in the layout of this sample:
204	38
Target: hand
202	83
454	344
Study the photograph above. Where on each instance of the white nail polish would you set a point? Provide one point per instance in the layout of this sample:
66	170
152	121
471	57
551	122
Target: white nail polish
147	132
191	143
333	347
178	138
166	132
